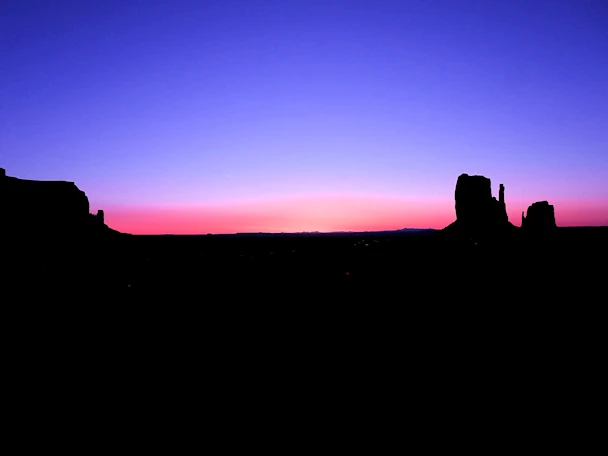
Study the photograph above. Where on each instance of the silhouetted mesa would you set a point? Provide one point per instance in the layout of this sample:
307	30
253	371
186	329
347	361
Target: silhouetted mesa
478	214
39	208
540	219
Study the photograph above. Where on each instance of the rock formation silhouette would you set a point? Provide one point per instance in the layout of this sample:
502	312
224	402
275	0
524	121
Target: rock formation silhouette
41	208
540	220
479	216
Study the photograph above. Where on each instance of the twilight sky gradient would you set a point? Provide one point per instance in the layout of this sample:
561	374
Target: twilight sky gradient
230	116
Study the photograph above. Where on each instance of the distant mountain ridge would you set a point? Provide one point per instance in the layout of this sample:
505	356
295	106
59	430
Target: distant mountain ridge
402	230
416	229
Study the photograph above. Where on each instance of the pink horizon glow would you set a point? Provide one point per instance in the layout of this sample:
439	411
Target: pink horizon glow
323	213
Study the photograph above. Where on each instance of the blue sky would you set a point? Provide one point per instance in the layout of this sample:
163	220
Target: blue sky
170	104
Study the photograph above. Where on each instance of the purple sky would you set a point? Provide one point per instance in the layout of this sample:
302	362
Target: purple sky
251	115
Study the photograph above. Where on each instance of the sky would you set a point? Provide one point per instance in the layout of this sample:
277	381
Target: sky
225	116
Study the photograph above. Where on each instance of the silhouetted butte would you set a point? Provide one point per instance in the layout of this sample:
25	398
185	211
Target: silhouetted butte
42	209
479	216
540	221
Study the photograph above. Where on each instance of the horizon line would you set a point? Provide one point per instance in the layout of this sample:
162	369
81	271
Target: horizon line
327	232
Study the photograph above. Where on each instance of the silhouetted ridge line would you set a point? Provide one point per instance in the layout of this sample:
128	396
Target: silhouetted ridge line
337	233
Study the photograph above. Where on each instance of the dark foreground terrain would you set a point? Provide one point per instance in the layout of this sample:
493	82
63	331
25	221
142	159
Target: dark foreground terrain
400	269
356	290
305	324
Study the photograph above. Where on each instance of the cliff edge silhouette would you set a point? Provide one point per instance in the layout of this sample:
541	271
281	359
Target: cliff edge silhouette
47	209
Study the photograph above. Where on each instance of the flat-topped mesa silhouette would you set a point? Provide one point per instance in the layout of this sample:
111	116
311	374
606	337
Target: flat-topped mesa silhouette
540	220
478	214
39	208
